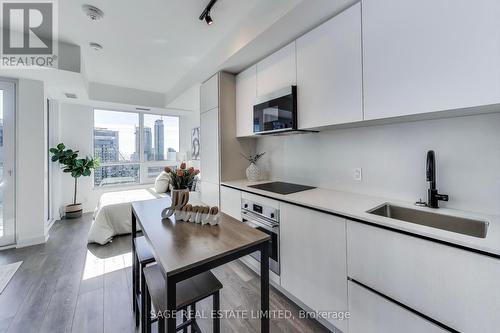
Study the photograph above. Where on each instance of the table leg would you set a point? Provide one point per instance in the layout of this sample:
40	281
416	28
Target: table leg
135	274
171	305
264	288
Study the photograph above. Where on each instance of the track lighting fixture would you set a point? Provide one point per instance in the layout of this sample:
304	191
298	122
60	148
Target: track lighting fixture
208	19
205	15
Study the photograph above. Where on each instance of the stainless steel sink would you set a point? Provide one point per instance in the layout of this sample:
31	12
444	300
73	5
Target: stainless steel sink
469	227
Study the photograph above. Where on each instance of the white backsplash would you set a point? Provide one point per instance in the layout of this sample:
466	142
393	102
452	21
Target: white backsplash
392	158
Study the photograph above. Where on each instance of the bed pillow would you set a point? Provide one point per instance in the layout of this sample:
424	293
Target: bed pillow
162	182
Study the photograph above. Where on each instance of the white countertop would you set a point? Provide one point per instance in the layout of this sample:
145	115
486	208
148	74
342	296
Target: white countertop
352	205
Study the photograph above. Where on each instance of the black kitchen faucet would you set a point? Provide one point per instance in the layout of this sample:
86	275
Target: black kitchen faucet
432	193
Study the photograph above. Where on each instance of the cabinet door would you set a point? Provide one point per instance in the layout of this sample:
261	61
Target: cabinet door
230	202
246	92
209	94
429	55
209	146
371	313
313	259
210	194
277	71
329	72
456	287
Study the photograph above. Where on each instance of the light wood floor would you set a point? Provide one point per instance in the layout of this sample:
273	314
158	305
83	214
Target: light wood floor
66	285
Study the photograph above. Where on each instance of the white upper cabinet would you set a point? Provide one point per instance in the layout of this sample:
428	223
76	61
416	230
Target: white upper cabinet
329	72
277	71
429	55
246	93
209	94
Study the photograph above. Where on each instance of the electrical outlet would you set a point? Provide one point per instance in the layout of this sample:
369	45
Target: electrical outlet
358	175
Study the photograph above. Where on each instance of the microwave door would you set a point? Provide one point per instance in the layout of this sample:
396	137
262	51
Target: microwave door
274	115
271	118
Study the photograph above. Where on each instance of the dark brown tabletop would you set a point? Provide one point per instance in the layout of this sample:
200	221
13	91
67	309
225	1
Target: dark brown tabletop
179	245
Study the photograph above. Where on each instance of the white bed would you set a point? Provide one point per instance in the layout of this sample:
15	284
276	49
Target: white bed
112	215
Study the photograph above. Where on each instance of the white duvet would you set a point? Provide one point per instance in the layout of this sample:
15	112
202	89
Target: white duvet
112	215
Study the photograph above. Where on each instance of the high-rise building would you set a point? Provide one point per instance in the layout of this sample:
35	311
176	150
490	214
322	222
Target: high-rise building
107	149
148	145
159	140
106	145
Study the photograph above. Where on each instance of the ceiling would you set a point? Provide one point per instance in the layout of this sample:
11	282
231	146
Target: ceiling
155	50
149	45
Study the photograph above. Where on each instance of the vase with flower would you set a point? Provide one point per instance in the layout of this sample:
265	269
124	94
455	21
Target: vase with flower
253	171
181	178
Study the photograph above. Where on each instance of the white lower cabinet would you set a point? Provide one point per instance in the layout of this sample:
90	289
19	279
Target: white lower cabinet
313	259
456	287
371	313
210	193
230	202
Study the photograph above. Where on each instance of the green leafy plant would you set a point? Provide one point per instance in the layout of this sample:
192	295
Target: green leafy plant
182	177
70	163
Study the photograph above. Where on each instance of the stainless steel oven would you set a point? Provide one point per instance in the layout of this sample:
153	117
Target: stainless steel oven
265	219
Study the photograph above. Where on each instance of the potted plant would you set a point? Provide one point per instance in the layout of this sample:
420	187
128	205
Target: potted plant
77	167
181	179
253	171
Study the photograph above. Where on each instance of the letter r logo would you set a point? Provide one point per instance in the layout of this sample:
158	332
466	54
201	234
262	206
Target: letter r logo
27	27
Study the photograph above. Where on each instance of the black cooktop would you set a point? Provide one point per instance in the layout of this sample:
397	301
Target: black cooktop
281	187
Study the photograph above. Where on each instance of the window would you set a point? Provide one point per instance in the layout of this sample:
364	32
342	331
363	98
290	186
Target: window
130	145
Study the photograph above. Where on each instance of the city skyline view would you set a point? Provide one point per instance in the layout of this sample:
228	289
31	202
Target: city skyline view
127	124
117	138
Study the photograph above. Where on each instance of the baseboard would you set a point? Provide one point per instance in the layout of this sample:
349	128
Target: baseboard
31	241
49	224
13	246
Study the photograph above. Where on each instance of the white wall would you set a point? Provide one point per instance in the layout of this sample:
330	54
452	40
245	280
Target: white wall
55	173
31	170
76	124
392	158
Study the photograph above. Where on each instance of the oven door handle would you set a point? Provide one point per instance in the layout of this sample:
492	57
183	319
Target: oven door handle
255	222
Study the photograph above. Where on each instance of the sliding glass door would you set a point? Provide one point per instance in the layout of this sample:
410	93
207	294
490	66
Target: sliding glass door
7	163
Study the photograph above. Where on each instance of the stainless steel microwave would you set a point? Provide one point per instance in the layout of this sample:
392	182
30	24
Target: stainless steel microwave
276	112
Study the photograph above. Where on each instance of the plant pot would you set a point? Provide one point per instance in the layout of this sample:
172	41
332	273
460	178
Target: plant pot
74	211
253	172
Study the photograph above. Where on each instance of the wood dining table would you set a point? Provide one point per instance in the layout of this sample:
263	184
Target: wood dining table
185	249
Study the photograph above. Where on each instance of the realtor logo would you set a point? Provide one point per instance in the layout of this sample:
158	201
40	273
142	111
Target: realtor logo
29	33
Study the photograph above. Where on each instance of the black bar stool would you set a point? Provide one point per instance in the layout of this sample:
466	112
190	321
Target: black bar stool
143	257
188	293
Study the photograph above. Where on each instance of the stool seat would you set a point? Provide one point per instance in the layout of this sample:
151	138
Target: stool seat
188	291
143	251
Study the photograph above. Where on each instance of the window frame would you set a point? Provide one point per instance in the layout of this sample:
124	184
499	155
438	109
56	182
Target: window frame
143	164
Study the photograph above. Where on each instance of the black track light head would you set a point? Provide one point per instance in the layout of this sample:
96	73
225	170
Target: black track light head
208	19
205	15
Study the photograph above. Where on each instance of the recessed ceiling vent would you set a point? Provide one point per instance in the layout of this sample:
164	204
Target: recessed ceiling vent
95	46
143	109
94	13
70	95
